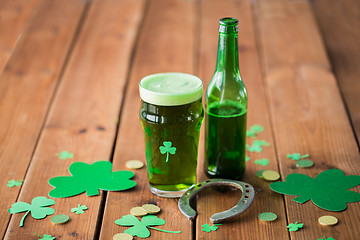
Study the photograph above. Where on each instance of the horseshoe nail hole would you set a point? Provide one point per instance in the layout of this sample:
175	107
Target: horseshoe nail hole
247	190
207	181
246	196
247	185
191	189
199	185
244	201
187	194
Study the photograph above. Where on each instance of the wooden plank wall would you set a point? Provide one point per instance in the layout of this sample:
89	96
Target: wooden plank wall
27	85
83	117
307	111
339	23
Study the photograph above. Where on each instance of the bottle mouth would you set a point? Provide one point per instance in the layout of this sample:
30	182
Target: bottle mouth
228	25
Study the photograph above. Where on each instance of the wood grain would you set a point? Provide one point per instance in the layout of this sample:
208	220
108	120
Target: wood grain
83	117
247	226
166	44
306	109
14	16
339	23
26	88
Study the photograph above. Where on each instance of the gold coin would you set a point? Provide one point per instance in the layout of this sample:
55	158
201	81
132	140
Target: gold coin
122	236
328	220
151	208
134	164
138	211
270	175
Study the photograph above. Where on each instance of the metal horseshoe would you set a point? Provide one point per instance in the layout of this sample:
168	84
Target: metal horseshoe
248	194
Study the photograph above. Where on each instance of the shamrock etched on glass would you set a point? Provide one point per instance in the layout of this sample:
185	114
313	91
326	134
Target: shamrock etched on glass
167	149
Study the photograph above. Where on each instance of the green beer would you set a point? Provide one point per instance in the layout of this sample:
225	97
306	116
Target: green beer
226	110
171	115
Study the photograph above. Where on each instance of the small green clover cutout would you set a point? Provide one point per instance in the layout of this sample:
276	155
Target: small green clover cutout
207	228
257	145
39	208
64	155
324	238
13	183
247	158
254	130
293	227
79	209
45	237
140	228
297	156
263	162
167	149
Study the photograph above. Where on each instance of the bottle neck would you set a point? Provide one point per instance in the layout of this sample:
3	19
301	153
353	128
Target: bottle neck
227	58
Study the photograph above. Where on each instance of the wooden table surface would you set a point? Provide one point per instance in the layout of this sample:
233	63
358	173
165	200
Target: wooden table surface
69	73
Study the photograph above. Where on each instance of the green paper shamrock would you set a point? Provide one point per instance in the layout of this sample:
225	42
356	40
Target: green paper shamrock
39	208
207	228
140	228
167	149
90	178
247	158
324	238
293	227
263	162
257	145
45	237
64	155
13	183
328	190
255	129
79	209
297	156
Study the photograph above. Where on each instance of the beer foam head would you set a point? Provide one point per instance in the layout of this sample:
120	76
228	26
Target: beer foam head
170	89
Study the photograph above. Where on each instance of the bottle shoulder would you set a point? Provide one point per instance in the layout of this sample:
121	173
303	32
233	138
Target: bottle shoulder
225	86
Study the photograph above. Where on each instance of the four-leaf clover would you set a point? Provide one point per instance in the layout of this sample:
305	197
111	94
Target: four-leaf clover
207	228
79	209
39	208
13	183
295	226
328	190
90	178
167	149
64	155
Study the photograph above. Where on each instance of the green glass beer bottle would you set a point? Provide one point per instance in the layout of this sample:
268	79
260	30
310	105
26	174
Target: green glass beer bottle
226	109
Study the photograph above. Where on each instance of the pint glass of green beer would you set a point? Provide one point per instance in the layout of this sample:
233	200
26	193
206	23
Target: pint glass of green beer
171	114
